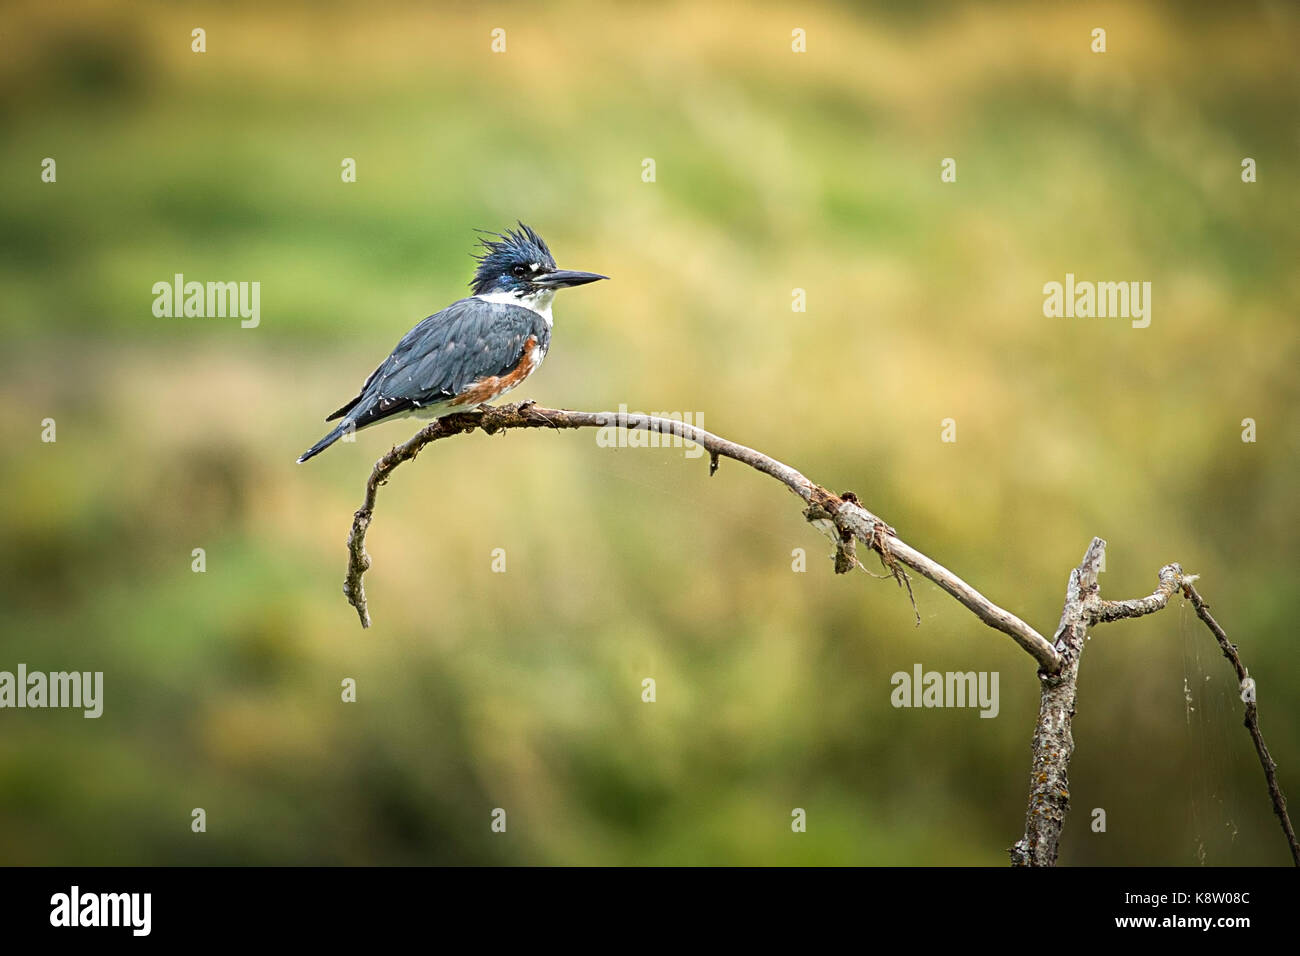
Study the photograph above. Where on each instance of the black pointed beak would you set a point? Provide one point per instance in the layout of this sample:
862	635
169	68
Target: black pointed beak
563	279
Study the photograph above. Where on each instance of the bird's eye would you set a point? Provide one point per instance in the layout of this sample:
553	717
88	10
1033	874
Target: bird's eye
518	272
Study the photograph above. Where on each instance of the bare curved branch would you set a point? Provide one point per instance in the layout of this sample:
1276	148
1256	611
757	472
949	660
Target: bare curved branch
1251	720
840	517
1053	742
844	520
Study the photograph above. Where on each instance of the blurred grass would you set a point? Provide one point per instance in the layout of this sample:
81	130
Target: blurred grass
775	171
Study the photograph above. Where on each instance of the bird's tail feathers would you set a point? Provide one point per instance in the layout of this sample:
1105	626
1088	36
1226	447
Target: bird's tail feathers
344	410
324	443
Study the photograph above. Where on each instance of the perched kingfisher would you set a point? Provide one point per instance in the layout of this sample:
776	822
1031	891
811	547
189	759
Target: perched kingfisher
473	351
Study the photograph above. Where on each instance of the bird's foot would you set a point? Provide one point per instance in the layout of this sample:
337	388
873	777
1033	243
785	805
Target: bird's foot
530	403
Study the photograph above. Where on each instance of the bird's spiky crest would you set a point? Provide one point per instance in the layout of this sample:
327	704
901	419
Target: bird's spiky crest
501	251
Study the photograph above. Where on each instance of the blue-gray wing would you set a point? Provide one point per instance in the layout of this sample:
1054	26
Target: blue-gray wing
444	355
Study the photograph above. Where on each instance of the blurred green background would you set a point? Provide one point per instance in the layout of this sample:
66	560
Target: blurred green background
775	171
